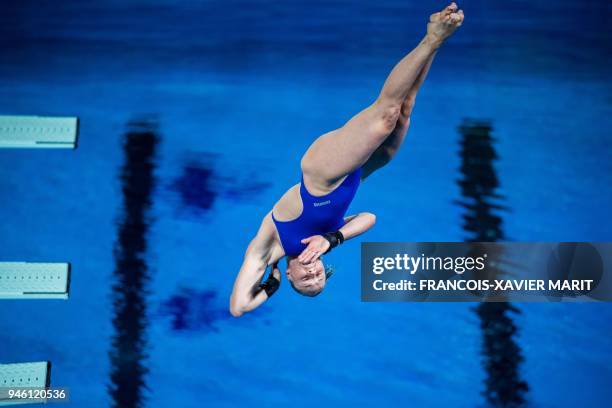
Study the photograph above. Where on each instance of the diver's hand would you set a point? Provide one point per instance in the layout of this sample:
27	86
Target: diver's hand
317	245
276	272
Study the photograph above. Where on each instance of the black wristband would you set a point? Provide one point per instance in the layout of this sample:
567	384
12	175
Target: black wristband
270	285
334	239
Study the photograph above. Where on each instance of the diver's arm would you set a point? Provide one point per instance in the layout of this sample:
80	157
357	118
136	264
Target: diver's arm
248	294
357	224
353	226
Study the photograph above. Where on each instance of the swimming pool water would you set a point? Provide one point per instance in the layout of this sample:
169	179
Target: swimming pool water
239	90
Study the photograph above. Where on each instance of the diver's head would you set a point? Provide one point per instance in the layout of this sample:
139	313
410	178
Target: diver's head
307	279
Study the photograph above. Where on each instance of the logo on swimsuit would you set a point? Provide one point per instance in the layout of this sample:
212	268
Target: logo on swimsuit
322	203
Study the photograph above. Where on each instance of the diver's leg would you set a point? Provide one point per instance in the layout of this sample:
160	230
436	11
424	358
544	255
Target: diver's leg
387	150
338	153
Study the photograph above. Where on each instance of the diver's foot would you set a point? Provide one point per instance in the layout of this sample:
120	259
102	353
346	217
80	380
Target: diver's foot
444	23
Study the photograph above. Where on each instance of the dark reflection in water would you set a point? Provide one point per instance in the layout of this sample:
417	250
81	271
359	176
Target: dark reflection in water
203	181
191	310
194	187
502	355
131	275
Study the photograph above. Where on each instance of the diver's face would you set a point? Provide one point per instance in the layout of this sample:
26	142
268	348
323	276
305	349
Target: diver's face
307	278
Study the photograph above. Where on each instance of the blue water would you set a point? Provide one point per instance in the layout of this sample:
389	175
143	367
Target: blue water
240	89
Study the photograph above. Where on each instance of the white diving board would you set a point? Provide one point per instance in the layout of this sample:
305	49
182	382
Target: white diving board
39	132
23	375
24	280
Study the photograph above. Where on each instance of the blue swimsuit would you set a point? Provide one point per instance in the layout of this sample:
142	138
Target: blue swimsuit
319	215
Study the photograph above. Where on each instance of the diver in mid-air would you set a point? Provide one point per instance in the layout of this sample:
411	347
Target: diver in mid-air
308	220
